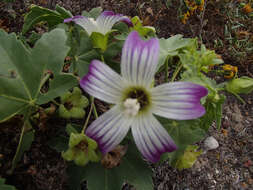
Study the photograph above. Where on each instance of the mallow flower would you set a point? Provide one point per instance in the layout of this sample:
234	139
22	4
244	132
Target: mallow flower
103	24
137	101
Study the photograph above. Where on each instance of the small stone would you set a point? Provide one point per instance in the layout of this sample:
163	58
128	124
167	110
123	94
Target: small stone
211	143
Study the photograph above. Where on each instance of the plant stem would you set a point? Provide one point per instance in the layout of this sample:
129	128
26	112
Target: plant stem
102	58
176	72
24	128
56	103
238	97
89	114
166	69
95	110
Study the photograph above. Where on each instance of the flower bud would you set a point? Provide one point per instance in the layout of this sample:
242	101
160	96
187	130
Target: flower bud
82	149
243	85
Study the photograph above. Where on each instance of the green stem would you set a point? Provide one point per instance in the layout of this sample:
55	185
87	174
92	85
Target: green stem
24	128
56	103
75	58
102	58
167	69
239	98
176	72
89	114
95	110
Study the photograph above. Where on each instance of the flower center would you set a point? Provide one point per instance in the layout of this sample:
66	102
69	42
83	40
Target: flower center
135	100
132	106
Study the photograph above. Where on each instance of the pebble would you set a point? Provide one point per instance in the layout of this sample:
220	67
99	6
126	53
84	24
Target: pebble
211	143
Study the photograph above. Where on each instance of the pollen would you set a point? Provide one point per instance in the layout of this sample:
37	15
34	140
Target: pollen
132	107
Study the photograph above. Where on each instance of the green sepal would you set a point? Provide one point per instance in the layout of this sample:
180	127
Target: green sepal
76	112
81	158
75	139
142	30
69	154
94	156
99	40
63	112
65	96
81	155
77	101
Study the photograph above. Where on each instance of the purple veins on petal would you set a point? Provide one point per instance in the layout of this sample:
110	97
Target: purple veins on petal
139	59
109	129
118	17
151	138
73	18
178	100
102	82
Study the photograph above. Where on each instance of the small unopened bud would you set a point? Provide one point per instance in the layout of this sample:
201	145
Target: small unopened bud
243	85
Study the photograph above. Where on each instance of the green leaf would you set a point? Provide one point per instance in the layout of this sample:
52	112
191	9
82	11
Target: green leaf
2	181
38	14
82	67
59	85
22	70
63	12
183	133
172	46
5	187
121	27
188	158
88	56
113	50
132	169
82	51
195	61
70	129
93	13
59	143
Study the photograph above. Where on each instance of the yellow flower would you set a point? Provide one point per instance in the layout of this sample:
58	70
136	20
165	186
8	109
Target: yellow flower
229	71
247	8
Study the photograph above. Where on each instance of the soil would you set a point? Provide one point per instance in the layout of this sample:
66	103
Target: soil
230	166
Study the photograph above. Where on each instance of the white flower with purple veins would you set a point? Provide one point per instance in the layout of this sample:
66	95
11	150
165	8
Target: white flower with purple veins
136	100
103	24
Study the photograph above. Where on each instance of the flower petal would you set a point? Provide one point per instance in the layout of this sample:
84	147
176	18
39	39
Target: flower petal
87	23
102	82
178	100
151	138
107	19
139	59
109	129
72	18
